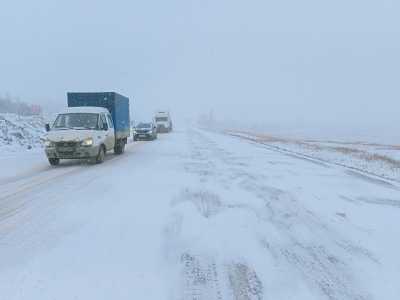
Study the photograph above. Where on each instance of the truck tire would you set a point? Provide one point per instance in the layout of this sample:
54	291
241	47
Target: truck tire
119	148
54	161
100	157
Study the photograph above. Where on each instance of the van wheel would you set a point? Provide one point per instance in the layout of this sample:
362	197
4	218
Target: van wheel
54	161
100	157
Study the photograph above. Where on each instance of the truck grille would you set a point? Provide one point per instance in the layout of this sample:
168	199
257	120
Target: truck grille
66	147
162	128
142	131
66	144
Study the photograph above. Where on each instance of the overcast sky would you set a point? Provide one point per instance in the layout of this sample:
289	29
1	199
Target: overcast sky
273	61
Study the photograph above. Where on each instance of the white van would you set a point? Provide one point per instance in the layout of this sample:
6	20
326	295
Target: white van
80	133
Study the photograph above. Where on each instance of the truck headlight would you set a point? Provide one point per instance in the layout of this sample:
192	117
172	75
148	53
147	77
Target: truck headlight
87	143
48	144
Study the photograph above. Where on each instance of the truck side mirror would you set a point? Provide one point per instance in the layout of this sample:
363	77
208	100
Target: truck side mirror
47	127
105	126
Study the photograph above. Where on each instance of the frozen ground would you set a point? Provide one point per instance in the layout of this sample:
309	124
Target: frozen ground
198	215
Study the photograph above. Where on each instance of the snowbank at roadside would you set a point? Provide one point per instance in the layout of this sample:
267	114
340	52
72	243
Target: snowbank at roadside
19	133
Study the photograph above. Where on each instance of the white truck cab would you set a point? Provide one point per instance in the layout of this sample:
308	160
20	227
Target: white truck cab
163	121
80	132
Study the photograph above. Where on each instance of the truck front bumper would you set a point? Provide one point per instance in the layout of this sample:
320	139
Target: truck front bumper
73	153
163	129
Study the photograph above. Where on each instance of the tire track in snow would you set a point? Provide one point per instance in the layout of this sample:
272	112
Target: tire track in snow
201	278
244	282
204	279
17	195
323	262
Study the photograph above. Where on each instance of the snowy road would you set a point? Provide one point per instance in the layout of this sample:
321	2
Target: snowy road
197	215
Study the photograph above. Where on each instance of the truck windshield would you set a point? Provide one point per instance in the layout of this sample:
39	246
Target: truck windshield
161	119
144	125
77	121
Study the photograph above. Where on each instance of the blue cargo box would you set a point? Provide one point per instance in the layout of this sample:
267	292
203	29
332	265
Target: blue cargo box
117	104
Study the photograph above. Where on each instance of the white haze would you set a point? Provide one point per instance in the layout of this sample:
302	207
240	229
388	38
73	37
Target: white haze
289	63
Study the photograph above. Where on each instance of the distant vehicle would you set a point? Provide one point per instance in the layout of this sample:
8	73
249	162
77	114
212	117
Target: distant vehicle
93	124
145	131
163	121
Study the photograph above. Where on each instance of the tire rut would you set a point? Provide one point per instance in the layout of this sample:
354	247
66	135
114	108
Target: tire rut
324	262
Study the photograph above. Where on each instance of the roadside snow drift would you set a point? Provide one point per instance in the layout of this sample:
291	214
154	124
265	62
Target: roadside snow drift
20	132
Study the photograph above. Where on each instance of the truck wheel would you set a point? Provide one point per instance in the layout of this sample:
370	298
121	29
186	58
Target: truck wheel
119	148
100	157
54	161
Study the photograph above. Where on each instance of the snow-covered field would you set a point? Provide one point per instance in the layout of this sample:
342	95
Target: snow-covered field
197	215
382	160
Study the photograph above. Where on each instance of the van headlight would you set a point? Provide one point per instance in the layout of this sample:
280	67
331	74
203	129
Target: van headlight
49	144
87	143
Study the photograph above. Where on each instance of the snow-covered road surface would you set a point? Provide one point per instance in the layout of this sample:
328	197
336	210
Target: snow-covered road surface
197	215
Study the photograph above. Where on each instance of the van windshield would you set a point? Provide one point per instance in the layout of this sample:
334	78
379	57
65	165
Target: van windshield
77	121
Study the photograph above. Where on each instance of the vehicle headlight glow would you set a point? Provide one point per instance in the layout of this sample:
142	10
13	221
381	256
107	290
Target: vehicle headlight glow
87	142
48	143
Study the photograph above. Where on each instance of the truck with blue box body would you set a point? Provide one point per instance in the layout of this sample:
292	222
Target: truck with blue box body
93	124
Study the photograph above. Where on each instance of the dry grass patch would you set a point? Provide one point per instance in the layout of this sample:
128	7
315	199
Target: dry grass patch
312	145
383	158
346	150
